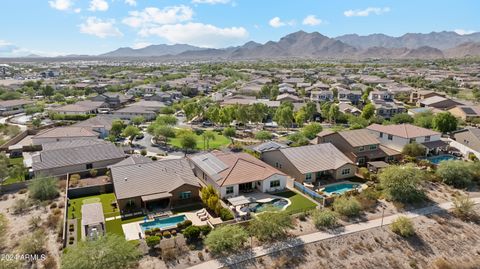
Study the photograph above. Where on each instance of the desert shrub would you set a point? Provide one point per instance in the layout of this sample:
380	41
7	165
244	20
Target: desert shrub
225	214
192	232
49	262
403	226
152	241
456	173
52	220
20	206
206	229
347	206
464	207
93	172
184	224
270	225
402	183
368	198
33	243
3	229
168	255
363	171
53	205
74	179
200	256
324	218
226	239
43	188
148	232
166	234
34	222
143	152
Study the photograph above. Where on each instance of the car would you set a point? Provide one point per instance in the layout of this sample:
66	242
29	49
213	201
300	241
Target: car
139	137
207	123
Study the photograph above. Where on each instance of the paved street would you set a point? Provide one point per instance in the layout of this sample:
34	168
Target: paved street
319	236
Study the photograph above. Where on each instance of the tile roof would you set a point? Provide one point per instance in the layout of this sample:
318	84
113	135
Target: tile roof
133	159
18	102
233	168
359	137
99	121
151	178
314	158
402	130
268	146
69	131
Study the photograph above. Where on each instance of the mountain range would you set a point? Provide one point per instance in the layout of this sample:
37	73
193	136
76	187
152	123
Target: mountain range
315	45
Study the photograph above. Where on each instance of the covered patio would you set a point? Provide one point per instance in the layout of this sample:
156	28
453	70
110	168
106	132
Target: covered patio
157	201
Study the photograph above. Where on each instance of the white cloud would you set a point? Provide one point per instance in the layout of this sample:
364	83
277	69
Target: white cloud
77	10
464	32
98	5
366	12
132	3
198	34
276	22
7	47
211	2
152	16
61	4
141	45
100	28
311	20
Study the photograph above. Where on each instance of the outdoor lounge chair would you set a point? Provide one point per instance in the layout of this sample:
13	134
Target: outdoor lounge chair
204	218
201	212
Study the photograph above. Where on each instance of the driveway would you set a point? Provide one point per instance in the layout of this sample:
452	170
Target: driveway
146	143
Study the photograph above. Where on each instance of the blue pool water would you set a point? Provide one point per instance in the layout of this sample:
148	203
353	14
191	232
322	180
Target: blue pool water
163	223
440	158
259	207
340	188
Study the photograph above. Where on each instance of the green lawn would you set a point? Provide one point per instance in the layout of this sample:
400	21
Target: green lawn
219	142
14	161
115	226
299	202
75	207
12	180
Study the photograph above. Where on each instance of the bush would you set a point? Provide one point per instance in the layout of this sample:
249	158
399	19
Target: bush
184	224
348	207
152	241
43	188
226	238
464	207
148	232
166	234
192	232
74	179
324	218
456	173
368	198
206	229
143	152
52	221
403	226
20	206
33	243
93	172
34	222
225	214
401	183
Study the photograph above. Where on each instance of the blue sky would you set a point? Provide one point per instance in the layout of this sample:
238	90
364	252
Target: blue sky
56	27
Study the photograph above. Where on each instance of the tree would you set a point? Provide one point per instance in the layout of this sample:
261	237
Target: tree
423	119
4	162
117	128
111	251
368	111
166	120
36	122
210	197
456	173
347	206
402	118
263	135
270	224
207	136
138	120
403	226
226	239
229	132
402	183
152	241
43	188
464	207
131	131
192	233
48	91
310	110
413	149
161	131
311	130
300	117
444	122
241	114
324	218
299	139
284	115
59	98
191	110
333	113
188	141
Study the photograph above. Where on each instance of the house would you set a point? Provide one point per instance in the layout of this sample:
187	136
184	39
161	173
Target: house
347	108
438	102
68	133
146	109
380	96
396	136
388	109
287	97
112	99
466	113
311	163
93	221
321	96
234	173
102	124
360	146
353	97
154	185
81	108
11	107
467	141
67	157
415	111
268	146
416	96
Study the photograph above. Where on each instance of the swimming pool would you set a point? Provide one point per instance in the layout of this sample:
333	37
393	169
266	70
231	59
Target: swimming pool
440	158
340	188
277	203
163	223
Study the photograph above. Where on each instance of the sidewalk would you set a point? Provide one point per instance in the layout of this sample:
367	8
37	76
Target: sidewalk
319	236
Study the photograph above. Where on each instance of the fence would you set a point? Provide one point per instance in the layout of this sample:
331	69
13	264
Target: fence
309	192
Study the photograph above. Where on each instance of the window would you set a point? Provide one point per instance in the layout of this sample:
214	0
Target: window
276	165
390	159
381	135
372	147
412	140
362	148
308	177
185	195
89	166
427	138
346	171
229	190
390	137
274	183
361	160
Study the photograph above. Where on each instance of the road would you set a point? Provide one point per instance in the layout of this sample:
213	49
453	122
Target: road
145	143
319	236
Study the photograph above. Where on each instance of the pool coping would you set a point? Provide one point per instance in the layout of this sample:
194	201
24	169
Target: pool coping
322	192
